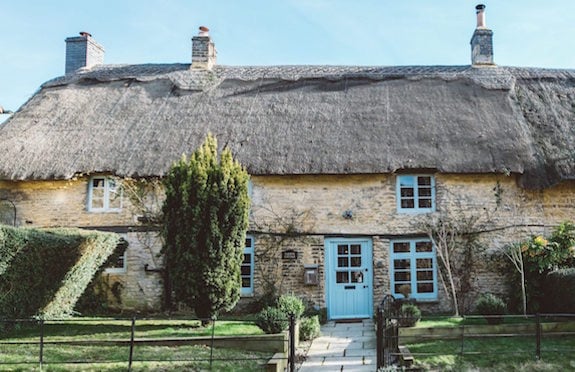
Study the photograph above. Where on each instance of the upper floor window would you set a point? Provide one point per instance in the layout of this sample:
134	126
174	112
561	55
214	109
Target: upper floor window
415	193
248	267
414	269
104	195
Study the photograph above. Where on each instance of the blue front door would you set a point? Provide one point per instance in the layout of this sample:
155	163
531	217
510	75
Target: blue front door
348	268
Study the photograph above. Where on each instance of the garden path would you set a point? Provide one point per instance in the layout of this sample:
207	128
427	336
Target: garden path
343	347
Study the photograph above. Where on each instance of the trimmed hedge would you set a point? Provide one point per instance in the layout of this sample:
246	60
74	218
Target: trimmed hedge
560	287
44	272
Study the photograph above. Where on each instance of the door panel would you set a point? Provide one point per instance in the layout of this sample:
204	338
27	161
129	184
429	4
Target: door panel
348	270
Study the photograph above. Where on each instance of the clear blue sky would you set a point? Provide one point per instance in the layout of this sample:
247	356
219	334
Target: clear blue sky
277	32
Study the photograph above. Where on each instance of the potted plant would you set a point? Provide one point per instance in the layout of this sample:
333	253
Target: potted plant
409	315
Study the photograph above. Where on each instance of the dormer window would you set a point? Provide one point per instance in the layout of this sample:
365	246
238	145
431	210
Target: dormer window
104	195
415	193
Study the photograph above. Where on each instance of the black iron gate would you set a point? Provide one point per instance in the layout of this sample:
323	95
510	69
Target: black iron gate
387	335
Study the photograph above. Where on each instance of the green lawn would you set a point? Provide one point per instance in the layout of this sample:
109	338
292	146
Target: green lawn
499	353
103	329
115	358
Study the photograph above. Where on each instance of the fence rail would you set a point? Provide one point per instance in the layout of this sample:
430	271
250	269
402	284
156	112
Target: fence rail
538	327
37	336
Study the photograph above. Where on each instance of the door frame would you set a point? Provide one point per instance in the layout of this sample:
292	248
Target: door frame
329	272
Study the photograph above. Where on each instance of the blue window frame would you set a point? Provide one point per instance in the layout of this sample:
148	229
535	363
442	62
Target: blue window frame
415	193
104	195
248	267
414	268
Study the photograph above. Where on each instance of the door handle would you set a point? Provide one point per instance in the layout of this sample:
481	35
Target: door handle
365	286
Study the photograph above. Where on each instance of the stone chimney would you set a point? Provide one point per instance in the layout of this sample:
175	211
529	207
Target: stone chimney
482	40
203	50
83	51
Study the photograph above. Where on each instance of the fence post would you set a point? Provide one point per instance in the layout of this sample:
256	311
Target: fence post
132	343
291	342
538	336
379	338
41	343
212	341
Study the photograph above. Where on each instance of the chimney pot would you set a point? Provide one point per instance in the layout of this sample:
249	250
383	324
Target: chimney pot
481	41
480	11
85	34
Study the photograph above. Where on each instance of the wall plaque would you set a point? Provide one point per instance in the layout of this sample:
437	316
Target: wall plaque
290	254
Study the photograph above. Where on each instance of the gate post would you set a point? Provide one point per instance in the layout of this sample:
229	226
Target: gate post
291	355
379	337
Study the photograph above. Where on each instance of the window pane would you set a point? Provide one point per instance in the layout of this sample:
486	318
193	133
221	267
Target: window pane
408	181
356	261
424	192
423	247
342	262
401	247
425	275
407	203
246	270
402	276
399	285
247	259
248	242
424	203
407	192
342	277
424	287
355	249
356	277
97	183
342	249
97	203
401	264
424	181
246	282
424	263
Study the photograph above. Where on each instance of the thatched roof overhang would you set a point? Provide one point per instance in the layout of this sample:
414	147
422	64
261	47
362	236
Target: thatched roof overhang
136	120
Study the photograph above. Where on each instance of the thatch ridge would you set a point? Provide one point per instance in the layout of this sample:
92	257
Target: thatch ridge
135	120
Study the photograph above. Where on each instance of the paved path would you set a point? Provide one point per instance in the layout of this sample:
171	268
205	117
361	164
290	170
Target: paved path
343	347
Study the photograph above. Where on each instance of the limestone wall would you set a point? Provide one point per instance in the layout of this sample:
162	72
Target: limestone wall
302	210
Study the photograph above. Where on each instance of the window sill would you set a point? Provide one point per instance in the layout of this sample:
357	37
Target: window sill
104	211
246	295
115	271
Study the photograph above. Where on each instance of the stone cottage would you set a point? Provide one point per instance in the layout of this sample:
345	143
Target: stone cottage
348	164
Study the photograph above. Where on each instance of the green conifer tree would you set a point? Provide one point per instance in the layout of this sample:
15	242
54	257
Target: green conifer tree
205	218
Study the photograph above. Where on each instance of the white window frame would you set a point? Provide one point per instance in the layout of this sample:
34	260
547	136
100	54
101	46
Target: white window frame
416	191
249	249
413	255
124	268
107	193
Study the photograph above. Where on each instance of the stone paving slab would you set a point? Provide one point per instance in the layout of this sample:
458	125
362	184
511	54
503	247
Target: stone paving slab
343	347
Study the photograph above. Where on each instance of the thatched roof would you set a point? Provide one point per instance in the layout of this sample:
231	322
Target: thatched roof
135	120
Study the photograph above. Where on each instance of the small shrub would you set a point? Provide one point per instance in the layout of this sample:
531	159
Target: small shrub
290	304
489	304
272	320
309	328
409	315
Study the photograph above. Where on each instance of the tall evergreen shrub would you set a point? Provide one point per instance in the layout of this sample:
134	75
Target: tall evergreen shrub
205	217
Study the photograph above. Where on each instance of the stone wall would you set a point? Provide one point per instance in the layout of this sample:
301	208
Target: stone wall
300	211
